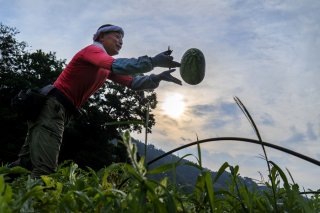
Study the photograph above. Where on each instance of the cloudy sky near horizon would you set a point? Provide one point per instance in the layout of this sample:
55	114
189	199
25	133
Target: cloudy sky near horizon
264	52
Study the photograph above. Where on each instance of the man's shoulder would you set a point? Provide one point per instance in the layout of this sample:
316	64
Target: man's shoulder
88	50
92	47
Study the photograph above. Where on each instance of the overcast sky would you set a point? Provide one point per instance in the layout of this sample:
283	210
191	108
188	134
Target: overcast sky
264	52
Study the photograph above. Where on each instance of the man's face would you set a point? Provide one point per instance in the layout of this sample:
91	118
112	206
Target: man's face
112	42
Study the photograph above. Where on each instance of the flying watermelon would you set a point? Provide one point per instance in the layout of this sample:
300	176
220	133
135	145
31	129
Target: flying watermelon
193	65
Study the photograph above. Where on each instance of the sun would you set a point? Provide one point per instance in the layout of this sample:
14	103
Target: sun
173	105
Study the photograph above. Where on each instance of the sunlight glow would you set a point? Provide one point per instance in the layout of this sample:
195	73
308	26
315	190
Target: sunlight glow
173	105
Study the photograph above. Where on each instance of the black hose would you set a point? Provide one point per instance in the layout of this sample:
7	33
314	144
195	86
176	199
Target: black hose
248	140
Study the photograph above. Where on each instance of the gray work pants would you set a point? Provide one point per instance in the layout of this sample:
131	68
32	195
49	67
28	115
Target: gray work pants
44	138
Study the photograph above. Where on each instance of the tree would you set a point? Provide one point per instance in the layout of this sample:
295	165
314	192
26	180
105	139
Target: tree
86	138
19	69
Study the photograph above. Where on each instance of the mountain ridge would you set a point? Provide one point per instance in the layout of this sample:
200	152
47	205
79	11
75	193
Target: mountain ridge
185	174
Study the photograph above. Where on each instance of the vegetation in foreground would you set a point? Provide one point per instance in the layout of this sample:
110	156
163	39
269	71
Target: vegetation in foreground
124	187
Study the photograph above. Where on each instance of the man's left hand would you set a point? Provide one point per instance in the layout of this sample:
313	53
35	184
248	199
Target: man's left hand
166	76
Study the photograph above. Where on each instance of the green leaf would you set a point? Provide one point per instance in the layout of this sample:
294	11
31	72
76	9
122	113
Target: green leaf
282	175
169	166
199	187
84	198
5	195
48	181
209	187
199	153
72	173
180	159
134	173
162	168
221	170
14	170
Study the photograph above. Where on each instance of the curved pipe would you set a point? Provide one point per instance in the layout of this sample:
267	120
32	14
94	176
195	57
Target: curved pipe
288	151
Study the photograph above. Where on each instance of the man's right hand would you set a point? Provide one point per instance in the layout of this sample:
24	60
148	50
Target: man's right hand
164	59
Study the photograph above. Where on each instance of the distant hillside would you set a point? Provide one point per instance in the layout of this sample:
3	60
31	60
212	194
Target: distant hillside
185	175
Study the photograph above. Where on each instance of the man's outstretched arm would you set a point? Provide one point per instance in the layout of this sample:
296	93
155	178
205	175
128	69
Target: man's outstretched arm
152	81
147	82
143	64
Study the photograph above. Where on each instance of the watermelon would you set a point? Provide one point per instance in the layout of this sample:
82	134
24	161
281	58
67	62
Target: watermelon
193	65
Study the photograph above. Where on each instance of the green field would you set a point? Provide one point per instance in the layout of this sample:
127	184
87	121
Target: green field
124	187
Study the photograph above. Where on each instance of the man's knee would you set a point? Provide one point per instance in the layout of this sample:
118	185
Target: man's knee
44	151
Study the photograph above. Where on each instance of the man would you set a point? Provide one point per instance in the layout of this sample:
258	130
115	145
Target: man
84	75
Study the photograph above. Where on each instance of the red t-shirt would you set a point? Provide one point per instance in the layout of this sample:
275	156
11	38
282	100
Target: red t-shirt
86	73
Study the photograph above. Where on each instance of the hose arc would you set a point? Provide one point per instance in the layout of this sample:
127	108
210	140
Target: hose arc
247	140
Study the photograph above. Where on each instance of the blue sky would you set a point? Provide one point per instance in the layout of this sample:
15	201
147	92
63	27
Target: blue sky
264	52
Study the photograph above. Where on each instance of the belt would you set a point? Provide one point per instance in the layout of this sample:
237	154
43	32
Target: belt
65	101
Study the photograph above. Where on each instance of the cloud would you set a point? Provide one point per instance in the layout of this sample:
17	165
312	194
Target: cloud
311	134
229	109
202	110
298	137
216	124
221	109
186	139
217	116
266	119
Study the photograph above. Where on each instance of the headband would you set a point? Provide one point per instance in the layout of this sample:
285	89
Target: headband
105	29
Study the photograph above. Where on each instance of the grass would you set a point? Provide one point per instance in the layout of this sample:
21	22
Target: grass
127	188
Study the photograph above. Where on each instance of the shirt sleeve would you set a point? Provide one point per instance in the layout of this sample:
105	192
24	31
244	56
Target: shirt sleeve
144	83
132	66
136	82
121	79
98	57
